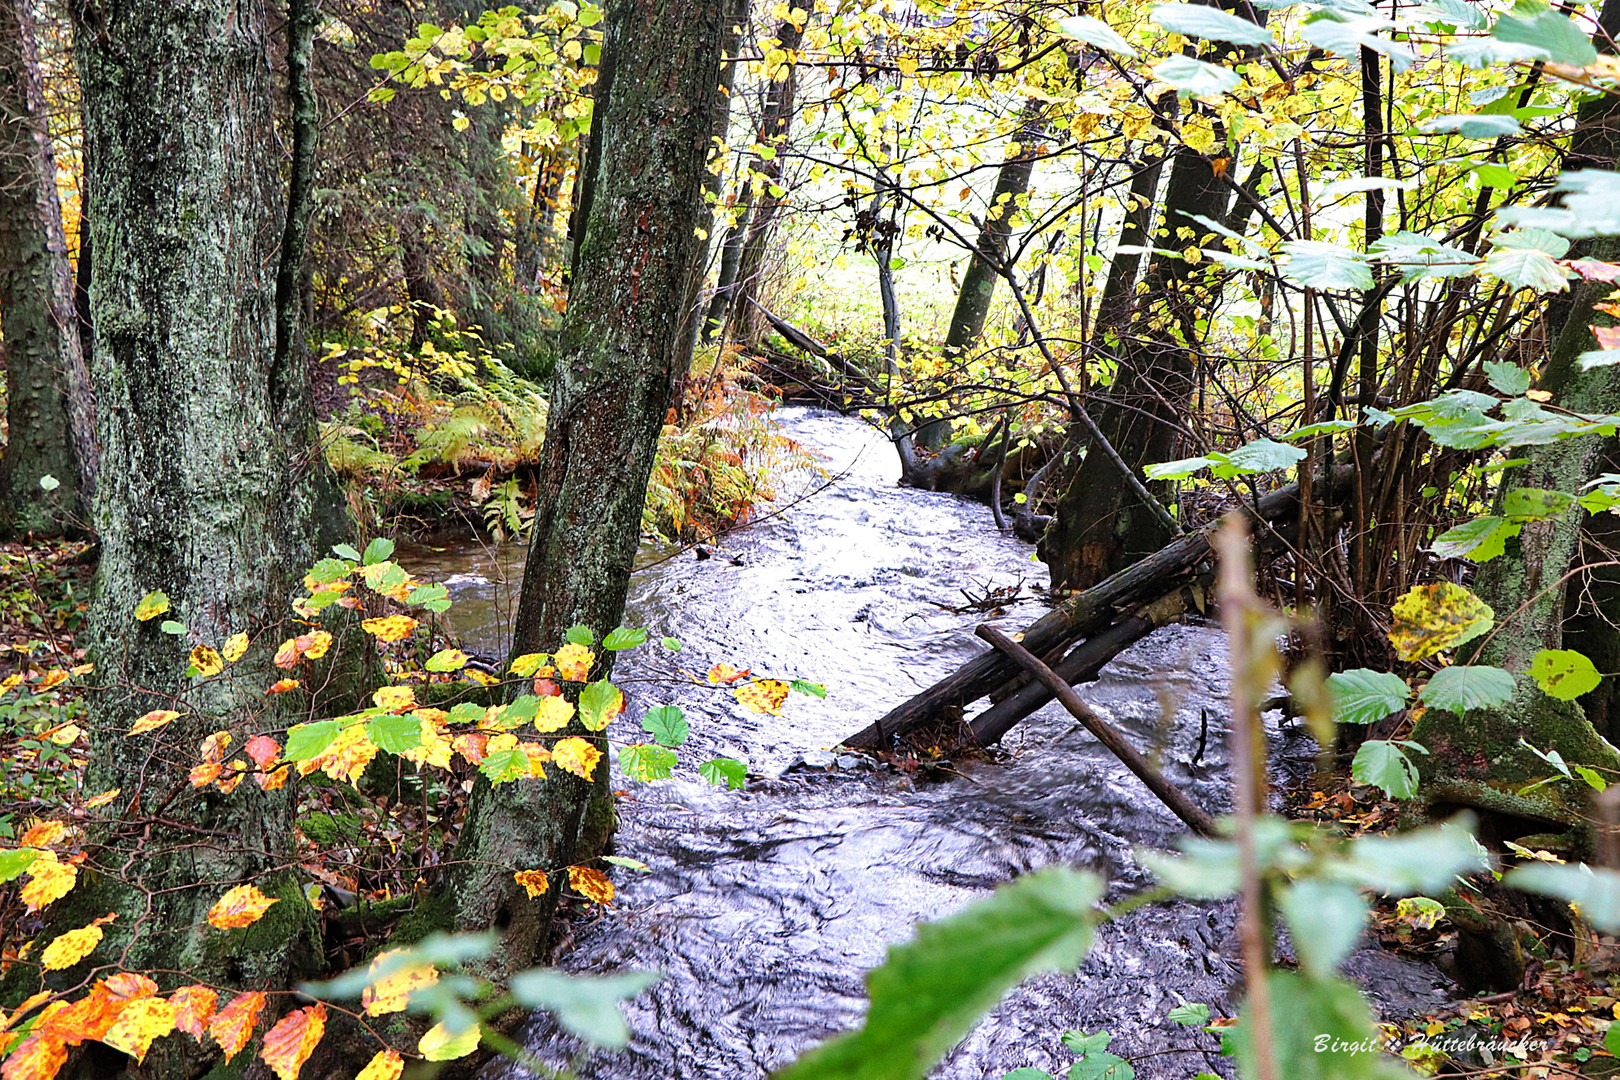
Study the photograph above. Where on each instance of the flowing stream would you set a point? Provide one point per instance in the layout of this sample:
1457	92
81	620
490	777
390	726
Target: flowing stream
765	907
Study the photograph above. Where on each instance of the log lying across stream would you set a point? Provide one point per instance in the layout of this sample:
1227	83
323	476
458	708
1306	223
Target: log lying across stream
1090	628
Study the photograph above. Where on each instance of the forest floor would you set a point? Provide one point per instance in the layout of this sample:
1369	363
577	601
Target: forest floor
1570	988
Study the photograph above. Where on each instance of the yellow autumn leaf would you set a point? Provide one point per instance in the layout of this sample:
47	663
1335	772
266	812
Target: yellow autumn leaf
393	980
395	699
553	714
10	683
235	648
103	799
151	606
573	662
526	665
346	758
53	678
193	1008
534	882
591	884
762	695
50	880
42	834
389	627
153	721
440	1044
68	949
139	1023
1432	618
239	907
207	661
577	756
385	1065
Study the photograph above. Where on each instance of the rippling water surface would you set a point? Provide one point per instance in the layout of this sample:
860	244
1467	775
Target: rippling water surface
765	907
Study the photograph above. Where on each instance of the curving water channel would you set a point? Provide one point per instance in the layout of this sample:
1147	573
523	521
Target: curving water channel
765	907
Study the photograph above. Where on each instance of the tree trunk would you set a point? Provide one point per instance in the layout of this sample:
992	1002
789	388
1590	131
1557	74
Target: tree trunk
210	489
609	395
50	409
1099	525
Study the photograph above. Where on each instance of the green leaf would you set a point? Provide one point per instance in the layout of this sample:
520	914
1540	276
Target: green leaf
49	483
599	703
1526	268
724	770
152	605
379	550
1347	34
667	724
1178	470
504	766
326	571
305	741
1261	455
1192	1014
1507	377
16	862
1465	687
1481	540
395	734
579	635
1325	266
1552	33
627	862
1590	206
1595	890
1432	618
1473	125
434	597
1325	920
1365	696
169	626
1042	1074
644	762
1419	862
1384	763
1564	673
346	551
933	989
1195	78
624	638
672	644
586	1005
813	689
446	660
1094	32
1198	21
1535	504
1306	1012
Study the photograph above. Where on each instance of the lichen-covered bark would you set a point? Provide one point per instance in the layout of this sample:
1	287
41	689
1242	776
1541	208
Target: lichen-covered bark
206	493
609	395
49	409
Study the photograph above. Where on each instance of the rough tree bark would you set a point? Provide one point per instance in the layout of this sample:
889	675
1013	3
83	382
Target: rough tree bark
50	410
209	490
609	395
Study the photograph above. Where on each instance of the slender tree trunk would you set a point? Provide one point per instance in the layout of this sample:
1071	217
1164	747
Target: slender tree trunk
608	396
1099	525
50	409
210	485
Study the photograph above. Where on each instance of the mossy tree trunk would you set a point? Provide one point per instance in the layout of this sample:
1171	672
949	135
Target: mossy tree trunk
50	411
609	394
210	486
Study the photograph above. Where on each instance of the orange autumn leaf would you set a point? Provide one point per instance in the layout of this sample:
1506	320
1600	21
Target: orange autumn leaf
310	646
241	906
53	678
128	985
207	661
386	1065
43	834
262	750
50	879
290	1043
389	627
91	1017
538	756
471	746
152	721
193	1007
318	642
139	1023
69	948
103	799
394	981
205	774
576	756
573	662
534	882
237	770
232	1026
763	695
725	673
591	884
281	686
38	1057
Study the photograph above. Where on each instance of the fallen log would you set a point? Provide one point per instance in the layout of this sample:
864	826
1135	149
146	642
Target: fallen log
1110	736
1176	566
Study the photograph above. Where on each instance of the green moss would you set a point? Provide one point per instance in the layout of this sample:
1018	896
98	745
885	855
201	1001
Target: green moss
434	914
596	828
